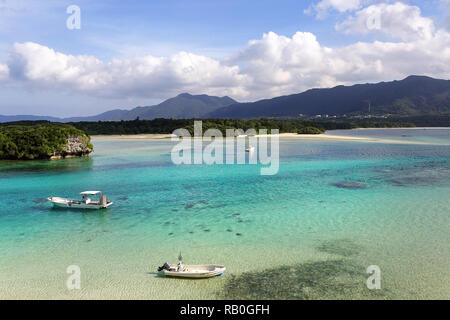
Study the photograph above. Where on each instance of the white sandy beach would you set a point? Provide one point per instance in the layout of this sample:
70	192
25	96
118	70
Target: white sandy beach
281	135
133	136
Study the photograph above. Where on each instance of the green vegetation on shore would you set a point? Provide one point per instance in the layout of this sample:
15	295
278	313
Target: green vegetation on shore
28	140
167	126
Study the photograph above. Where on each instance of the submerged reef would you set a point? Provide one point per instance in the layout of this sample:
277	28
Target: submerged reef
414	181
349	185
332	279
341	247
340	278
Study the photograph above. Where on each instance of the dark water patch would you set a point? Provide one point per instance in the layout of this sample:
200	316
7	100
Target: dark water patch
206	230
382	170
243	221
47	167
341	247
191	232
191	186
40	200
236	214
229	230
352	185
239	234
170	234
421	173
193	204
335	279
414	181
215	206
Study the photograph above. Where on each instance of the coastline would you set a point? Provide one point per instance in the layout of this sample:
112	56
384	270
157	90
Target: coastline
281	135
322	136
133	136
406	128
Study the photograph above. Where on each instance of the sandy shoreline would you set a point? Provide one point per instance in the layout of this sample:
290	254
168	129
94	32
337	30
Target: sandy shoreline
133	136
281	135
406	128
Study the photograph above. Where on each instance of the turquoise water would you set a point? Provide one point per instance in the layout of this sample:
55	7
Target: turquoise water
414	135
348	203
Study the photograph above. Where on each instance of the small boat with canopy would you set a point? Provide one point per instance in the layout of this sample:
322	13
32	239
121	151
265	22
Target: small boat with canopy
85	203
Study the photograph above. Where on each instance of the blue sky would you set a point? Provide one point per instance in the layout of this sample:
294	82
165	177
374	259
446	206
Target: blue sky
130	53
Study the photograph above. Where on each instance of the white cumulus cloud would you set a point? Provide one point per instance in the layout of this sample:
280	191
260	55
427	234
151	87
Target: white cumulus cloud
321	8
280	65
397	20
271	66
4	72
145	76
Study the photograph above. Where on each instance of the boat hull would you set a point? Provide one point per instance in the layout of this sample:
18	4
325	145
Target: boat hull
195	271
75	204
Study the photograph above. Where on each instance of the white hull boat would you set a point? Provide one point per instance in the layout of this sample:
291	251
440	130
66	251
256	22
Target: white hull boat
192	271
85	203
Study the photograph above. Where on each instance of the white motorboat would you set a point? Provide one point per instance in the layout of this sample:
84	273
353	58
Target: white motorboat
193	271
85	203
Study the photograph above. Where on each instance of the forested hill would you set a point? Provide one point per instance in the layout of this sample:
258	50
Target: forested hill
29	140
413	96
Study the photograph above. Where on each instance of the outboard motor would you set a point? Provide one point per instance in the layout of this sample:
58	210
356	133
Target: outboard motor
165	266
103	201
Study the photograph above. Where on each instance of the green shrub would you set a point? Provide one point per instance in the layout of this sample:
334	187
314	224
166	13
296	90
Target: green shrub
310	130
36	140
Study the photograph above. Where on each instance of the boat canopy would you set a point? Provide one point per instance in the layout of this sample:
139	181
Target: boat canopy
90	192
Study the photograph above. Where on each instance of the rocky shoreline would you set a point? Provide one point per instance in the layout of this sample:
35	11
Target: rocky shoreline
76	147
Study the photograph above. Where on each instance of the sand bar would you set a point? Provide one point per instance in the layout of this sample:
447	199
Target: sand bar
281	135
133	136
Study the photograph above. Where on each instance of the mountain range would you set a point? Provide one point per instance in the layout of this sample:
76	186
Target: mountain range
412	96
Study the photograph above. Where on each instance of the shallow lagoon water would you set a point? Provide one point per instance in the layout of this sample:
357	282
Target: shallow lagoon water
334	208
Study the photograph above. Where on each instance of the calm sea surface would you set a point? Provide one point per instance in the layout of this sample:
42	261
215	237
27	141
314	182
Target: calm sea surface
309	232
